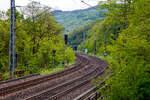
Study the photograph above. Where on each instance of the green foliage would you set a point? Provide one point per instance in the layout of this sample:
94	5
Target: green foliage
75	19
125	36
51	70
77	36
130	52
35	41
70	55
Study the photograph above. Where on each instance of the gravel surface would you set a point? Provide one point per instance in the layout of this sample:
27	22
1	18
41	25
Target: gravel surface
89	64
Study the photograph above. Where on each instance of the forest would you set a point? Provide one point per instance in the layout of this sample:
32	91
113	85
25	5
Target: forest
37	36
123	40
71	20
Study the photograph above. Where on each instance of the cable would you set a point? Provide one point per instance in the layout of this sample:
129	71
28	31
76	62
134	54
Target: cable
85	3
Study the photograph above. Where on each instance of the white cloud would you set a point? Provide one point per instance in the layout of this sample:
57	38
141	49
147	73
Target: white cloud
60	4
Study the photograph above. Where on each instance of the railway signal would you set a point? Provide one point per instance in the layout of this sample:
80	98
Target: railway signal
95	33
54	54
66	42
66	39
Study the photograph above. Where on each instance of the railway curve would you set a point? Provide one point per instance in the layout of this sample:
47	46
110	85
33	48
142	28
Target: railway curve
63	85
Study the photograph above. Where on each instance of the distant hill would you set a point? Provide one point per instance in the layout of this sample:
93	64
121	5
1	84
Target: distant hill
74	19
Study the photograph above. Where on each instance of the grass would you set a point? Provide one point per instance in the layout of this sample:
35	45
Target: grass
51	70
55	69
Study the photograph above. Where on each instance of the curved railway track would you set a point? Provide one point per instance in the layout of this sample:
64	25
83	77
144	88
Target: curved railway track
83	88
9	89
57	85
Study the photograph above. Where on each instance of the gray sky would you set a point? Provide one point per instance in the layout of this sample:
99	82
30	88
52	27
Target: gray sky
59	4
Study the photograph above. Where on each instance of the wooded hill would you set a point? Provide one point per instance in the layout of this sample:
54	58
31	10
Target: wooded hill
74	19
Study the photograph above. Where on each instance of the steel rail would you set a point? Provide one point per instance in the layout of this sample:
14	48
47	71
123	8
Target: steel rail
17	87
48	91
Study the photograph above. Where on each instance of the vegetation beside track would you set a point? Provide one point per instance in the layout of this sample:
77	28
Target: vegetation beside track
54	69
51	70
39	41
124	38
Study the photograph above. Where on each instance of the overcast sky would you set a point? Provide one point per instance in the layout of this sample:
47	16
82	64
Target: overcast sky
59	4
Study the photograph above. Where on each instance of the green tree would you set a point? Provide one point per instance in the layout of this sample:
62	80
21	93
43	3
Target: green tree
125	35
35	40
130	53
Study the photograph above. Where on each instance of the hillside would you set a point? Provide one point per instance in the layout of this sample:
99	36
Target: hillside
74	19
78	35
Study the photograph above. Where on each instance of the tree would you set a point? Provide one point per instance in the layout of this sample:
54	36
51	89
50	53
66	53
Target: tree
35	40
130	53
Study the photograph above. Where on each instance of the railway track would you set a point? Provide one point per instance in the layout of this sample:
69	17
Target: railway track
14	80
13	88
54	91
73	88
59	90
82	89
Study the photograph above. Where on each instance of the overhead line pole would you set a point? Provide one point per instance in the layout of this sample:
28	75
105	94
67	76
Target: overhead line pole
95	33
12	41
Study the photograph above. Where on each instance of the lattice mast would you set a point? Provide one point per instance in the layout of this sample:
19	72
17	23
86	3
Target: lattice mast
12	40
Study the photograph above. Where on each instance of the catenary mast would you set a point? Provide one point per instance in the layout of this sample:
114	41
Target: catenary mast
12	48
